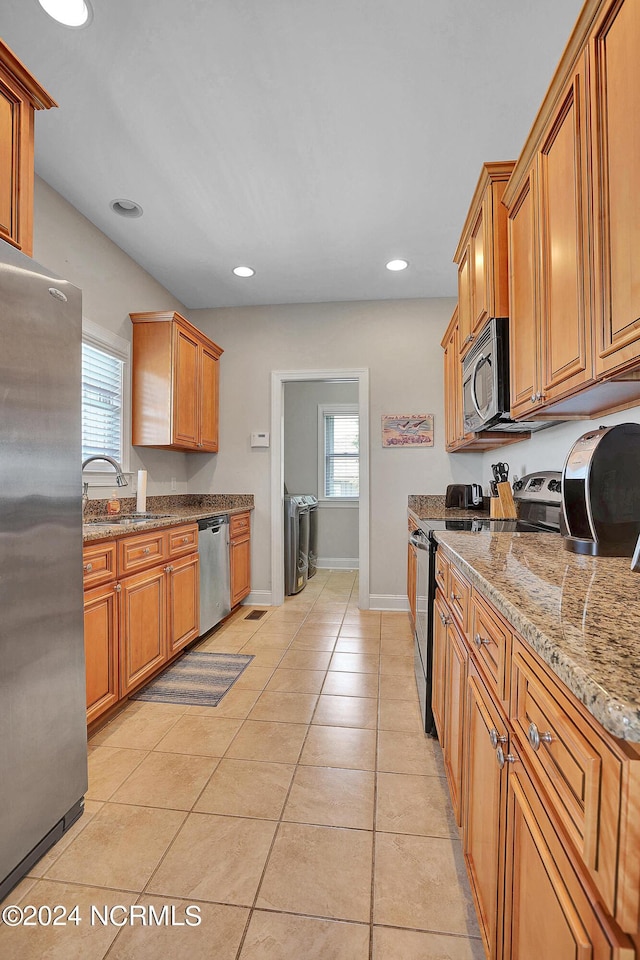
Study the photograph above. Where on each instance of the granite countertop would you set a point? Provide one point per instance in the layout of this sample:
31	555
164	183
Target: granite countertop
580	614
185	508
431	507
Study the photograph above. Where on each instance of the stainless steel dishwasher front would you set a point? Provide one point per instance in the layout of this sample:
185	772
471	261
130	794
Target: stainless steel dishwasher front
215	593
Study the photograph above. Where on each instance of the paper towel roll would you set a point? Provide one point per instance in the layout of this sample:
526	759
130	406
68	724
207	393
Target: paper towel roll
141	503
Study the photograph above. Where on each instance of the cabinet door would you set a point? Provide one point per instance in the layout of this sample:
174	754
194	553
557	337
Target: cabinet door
453	390
480	247
464	303
240	560
101	649
16	167
455	695
143	627
523	325
209	372
9	153
412	569
615	99
547	910
185	390
565	321
183	586
485	797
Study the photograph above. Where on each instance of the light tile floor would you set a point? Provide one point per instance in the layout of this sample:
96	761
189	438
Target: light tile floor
305	816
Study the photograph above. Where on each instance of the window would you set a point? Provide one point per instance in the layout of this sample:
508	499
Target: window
105	360
339	459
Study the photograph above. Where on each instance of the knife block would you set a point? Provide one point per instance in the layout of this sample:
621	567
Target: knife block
503	506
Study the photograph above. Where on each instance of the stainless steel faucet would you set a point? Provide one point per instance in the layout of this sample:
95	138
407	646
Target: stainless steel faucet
121	480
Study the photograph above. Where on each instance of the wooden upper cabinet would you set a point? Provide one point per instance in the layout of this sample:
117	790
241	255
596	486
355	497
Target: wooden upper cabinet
567	358
452	385
550	335
175	384
524	338
615	155
20	96
483	284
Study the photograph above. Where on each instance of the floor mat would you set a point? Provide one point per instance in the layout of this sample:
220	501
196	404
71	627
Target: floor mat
197	679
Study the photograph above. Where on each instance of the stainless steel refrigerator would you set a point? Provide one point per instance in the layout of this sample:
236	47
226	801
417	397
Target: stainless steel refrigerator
43	750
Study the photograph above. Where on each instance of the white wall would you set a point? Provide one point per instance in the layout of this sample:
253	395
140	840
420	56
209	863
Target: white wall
112	285
547	450
399	342
337	523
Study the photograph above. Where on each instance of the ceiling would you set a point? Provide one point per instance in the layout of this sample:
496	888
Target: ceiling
310	139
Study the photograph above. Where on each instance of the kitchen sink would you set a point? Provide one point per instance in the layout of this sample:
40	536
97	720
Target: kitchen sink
129	518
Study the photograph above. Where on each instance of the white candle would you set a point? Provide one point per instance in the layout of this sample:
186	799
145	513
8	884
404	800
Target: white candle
141	504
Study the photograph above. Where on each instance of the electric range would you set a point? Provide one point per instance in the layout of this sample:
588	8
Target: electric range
538	497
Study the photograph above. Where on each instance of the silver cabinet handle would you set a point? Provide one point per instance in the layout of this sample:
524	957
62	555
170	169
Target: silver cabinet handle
533	398
478	640
117	587
496	738
440	573
453	596
147	550
500	757
88	567
536	738
169	569
444	619
185	539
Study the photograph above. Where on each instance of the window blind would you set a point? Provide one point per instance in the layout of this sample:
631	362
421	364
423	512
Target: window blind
101	403
341	455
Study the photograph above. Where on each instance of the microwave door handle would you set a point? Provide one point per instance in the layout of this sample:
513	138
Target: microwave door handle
474	398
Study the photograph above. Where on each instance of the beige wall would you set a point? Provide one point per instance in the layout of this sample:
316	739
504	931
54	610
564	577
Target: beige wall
399	342
112	285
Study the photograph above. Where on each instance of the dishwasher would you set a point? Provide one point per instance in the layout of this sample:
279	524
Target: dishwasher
215	593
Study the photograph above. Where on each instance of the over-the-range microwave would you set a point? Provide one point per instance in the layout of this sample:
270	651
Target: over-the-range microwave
485	383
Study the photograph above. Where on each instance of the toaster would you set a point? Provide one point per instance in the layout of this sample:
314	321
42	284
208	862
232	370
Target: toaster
463	495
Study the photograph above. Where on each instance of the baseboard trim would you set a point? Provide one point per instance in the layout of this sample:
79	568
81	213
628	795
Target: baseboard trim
259	598
384	601
337	563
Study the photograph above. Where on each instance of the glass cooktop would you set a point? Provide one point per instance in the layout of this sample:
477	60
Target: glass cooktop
485	524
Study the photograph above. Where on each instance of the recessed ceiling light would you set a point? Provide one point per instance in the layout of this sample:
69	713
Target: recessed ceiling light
71	13
126	208
397	264
243	271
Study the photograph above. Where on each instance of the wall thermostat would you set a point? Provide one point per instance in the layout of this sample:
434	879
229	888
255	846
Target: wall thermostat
259	439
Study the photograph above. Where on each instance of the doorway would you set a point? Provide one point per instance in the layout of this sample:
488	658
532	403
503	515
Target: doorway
279	378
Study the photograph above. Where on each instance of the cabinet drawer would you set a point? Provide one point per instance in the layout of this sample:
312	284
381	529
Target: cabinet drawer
98	563
458	594
239	524
442	572
579	770
183	540
491	643
140	552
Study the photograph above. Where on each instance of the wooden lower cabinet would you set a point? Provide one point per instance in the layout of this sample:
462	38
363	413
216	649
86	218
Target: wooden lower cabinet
137	623
143	627
547	911
485	788
183	586
455	691
101	649
412	580
240	556
549	825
